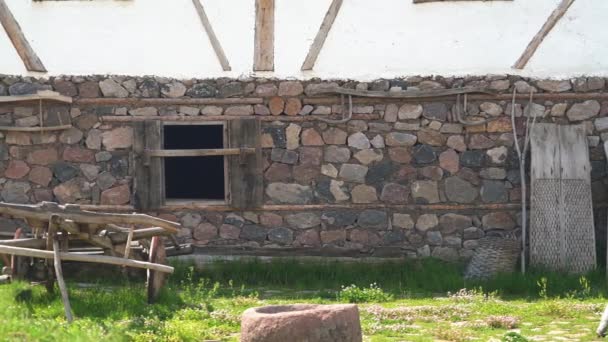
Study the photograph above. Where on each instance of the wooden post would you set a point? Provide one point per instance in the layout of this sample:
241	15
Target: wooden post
215	43
263	56
317	44
24	49
62	287
544	31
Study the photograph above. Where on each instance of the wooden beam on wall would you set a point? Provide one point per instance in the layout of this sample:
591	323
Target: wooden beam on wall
544	31
24	49
215	43
263	56
317	44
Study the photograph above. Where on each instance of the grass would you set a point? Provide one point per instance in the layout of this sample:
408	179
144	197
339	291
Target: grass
413	301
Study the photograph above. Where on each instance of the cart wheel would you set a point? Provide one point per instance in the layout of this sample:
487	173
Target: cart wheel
19	264
156	279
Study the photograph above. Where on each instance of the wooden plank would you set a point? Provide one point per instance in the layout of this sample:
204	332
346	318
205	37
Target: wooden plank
545	161
141	189
317	44
63	289
215	43
42	211
542	33
102	259
263	55
156	174
405	94
200	152
141	102
574	153
35	129
246	188
15	34
45	95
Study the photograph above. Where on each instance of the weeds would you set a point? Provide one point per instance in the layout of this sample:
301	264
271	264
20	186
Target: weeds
355	294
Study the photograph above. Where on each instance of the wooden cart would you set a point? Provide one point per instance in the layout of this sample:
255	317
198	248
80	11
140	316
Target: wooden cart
66	232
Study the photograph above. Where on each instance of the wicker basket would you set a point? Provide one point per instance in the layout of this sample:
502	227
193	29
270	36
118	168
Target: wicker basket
494	255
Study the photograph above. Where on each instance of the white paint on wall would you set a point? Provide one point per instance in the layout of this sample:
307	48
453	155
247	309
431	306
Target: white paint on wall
369	39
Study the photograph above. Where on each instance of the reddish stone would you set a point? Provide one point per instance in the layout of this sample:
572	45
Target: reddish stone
302	322
501	125
117	195
480	142
498	220
431	137
121	137
86	122
89	89
271	220
78	155
431	172
310	137
204	232
359	236
43	157
334	136
276	105
469	176
305	173
277	172
41	175
311	156
290	88
400	154
515	195
449	161
395	193
168	217
18	152
16	169
293	106
72	191
406	173
333	236
228	231
457	142
43	195
308	238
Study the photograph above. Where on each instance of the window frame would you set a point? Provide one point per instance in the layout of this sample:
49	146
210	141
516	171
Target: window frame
178	202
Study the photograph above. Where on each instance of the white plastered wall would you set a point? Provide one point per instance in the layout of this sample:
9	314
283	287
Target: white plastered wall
369	39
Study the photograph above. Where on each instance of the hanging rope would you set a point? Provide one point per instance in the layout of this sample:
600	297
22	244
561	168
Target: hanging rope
465	122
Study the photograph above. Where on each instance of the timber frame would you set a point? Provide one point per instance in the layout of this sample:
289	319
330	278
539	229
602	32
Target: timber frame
29	57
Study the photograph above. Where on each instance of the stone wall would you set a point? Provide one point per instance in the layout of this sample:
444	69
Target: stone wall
403	178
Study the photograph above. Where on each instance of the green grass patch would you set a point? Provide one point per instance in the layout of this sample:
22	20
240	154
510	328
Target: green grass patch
413	301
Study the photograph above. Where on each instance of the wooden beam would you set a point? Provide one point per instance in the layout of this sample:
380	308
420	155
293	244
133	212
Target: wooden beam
544	31
102	259
215	43
425	1
317	44
34	129
46	95
23	47
263	55
200	153
132	101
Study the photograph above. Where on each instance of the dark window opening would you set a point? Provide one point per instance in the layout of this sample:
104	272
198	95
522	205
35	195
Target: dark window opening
200	178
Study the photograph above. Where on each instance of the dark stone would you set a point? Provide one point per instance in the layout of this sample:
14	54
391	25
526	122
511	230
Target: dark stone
283	156
435	110
278	136
322	191
234	220
64	171
472	158
460	191
399	83
3	90
202	90
380	85
231	89
512	161
253	232
424	154
149	88
373	219
598	170
393	237
514	177
379	172
119	166
280	235
22	88
104	110
338	218
3	152
494	192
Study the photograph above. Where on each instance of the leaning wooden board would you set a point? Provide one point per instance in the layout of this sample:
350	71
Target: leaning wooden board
562	233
